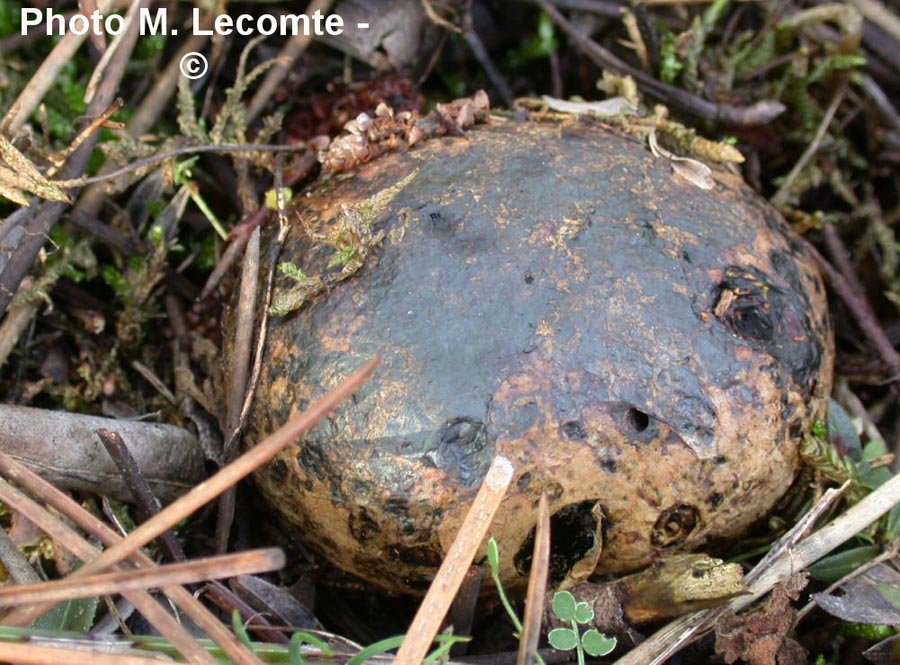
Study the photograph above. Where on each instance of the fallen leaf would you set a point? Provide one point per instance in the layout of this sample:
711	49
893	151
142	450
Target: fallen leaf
886	652
605	109
760	636
19	173
866	599
695	172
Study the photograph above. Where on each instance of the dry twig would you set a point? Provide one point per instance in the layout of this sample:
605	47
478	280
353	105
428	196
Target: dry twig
142	493
783	564
537	587
781	196
431	613
188	572
65	449
759	113
218	483
72	542
294	48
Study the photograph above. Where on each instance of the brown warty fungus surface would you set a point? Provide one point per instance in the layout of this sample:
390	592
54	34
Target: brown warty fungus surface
647	353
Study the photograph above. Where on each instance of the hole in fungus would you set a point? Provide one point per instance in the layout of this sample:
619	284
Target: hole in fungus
573	530
638	420
573	429
674	525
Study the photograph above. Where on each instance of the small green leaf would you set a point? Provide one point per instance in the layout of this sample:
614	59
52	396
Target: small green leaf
596	643
341	257
292	271
376	649
299	638
563	639
819	429
493	555
892	528
583	613
834	567
874	450
440	652
75	615
295	652
563	605
237	625
873	478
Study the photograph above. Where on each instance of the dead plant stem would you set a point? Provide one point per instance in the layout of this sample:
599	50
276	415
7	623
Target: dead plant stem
791	561
61	502
205	492
450	575
781	196
72	542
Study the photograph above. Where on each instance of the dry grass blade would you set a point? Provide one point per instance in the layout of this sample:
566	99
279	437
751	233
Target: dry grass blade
190	572
28	654
12	193
239	375
71	541
792	560
295	47
218	483
40	83
537	587
243	340
781	196
17	319
46	492
434	607
23	174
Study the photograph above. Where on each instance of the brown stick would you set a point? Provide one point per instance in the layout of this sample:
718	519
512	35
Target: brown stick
160	157
218	483
72	542
759	113
33	654
141	491
865	317
252	562
841	258
40	225
781	196
61	502
295	47
238	378
433	609
63	447
537	587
